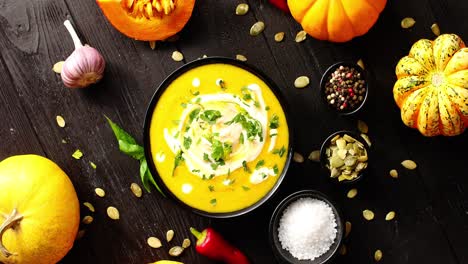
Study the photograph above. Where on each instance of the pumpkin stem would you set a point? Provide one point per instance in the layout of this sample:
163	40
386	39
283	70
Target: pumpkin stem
9	222
71	30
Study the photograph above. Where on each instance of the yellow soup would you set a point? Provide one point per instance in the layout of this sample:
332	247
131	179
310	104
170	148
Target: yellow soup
219	138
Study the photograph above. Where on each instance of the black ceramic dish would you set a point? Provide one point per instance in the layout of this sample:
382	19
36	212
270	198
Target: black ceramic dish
327	74
324	160
149	113
282	255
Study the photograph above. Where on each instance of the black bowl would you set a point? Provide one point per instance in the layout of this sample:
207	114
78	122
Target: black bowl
327	74
324	160
149	113
282	255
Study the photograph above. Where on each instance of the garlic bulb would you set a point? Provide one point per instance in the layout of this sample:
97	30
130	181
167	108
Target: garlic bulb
84	66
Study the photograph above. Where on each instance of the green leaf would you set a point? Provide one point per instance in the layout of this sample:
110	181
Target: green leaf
245	188
211	188
144	175
241	138
210	116
206	157
275	169
187	142
246	168
260	163
280	151
274	122
193	115
177	161
127	144
213	202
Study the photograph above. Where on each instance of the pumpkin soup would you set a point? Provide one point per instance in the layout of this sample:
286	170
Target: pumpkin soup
219	138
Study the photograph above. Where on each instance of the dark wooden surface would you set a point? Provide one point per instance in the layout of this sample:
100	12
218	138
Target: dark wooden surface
431	202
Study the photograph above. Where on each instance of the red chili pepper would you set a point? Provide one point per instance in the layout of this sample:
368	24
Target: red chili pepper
281	4
212	245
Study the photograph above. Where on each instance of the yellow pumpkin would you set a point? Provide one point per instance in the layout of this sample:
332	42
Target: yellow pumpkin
39	211
432	86
336	20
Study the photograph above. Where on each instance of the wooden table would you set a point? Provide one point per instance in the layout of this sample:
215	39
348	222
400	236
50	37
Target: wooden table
431	202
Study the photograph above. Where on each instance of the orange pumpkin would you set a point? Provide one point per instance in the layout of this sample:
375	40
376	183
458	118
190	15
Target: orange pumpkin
148	20
336	20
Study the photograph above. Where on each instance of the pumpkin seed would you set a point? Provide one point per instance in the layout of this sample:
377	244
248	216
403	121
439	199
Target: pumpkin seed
352	193
301	82
186	243
378	255
435	29
152	44
87	220
241	57
60	121
57	68
89	206
298	157
362	126
361	64
169	235
409	164
93	165
257	28
177	56
77	154
136	190
343	250
390	215
176	251
80	234
204	56
100	192
407	22
368	214
279	36
367	139
394	173
315	156
113	213
242	9
347	228
301	36
154	242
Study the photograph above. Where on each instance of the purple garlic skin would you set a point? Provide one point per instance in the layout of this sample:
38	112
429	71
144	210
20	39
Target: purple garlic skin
83	67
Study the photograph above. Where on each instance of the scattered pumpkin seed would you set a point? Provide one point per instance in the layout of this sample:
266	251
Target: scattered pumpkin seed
77	154
64	141
368	214
301	36
89	206
301	82
57	68
390	215
343	250
242	9
367	139
113	213
169	235
152	44
315	156
154	242
378	255
204	56
80	234
257	28
347	228
241	57
60	121
298	157
279	36
352	193
409	164
186	243
177	56
361	64
93	165
435	29
394	173
100	192
362	126
87	220
136	190
176	251
407	22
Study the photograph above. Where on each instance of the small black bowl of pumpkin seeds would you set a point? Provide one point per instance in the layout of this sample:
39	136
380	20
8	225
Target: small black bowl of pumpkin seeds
344	155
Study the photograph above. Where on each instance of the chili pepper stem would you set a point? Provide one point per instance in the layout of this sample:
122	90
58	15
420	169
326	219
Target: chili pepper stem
196	233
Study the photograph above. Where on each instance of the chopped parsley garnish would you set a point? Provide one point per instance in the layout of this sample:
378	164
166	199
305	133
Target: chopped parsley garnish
275	169
184	105
193	115
178	159
213	201
241	138
195	93
257	104
267	108
176	134
198	100
247	97
187	142
260	163
221	83
229	172
211	176
220	150
214	166
211	188
245	188
210	116
280	151
264	176
195	171
206	157
273	135
252	126
274	122
246	168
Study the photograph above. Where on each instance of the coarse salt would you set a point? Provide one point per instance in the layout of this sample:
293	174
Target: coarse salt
307	228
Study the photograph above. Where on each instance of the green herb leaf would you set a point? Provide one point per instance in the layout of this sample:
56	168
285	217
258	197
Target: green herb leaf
195	93
245	188
206	157
257	104
177	161
280	151
195	171
127	144
229	172
214	166
211	188
198	100
193	115
260	163
246	168
210	116
187	142
275	169
252	126
241	138
213	202
274	122
267	108
247	97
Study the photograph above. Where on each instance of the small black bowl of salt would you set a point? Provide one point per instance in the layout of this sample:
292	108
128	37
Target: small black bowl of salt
306	228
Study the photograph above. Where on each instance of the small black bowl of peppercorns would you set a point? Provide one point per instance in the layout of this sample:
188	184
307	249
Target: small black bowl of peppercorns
344	87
